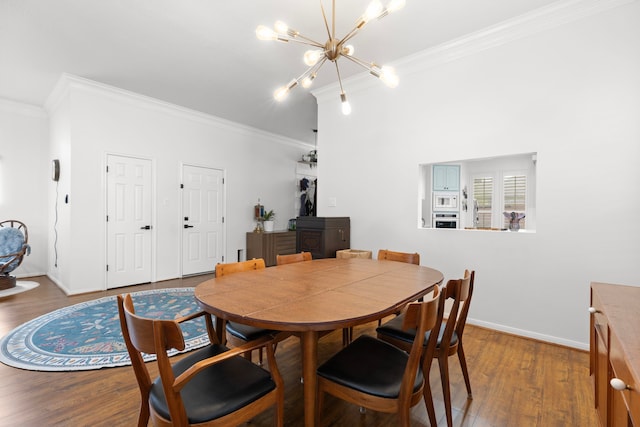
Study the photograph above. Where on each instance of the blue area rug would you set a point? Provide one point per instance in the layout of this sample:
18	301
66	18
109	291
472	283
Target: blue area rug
87	335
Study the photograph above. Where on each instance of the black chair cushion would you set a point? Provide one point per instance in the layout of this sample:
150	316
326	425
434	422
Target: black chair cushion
371	366
217	390
246	332
393	329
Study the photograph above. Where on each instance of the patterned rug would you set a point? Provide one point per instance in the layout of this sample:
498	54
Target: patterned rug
87	335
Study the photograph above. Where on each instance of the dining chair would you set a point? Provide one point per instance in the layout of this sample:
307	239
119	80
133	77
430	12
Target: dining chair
376	375
291	258
211	386
399	256
449	337
238	333
385	254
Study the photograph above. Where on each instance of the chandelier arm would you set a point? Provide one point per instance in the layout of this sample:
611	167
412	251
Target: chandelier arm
319	65
307	39
359	61
350	35
313	69
339	78
333	19
311	43
324	18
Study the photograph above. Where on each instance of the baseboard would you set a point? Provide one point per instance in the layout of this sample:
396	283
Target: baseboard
529	334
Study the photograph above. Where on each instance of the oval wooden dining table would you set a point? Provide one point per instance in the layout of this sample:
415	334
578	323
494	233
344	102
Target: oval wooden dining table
311	297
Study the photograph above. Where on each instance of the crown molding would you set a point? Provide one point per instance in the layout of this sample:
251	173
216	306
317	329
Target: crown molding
9	106
539	20
69	81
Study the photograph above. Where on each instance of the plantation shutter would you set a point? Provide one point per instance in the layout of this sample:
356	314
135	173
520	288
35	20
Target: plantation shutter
483	194
515	191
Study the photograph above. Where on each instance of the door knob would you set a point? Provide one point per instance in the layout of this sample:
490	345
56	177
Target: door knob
188	226
145	227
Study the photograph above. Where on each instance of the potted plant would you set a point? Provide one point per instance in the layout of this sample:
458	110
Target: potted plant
268	218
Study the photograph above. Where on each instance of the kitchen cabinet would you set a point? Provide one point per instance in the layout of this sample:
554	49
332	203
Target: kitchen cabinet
615	353
446	177
268	244
322	236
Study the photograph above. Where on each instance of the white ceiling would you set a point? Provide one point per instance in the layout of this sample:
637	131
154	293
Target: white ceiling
203	54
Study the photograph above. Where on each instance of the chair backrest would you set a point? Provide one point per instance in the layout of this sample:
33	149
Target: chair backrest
152	336
466	294
459	291
236	267
291	258
421	317
399	256
14	239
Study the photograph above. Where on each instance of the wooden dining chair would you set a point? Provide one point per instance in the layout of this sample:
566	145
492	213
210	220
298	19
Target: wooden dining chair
399	256
385	254
449	337
211	386
238	333
291	258
376	375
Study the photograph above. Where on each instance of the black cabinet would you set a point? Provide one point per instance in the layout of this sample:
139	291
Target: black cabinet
322	236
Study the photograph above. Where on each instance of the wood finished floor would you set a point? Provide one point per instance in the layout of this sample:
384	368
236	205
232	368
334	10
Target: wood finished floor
515	381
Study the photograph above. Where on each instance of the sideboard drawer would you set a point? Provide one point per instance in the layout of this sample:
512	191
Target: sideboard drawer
600	319
621	371
614	325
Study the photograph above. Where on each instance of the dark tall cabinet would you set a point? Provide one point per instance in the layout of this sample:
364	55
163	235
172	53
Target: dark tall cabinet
322	236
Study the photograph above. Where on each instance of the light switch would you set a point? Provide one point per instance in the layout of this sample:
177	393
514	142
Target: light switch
332	202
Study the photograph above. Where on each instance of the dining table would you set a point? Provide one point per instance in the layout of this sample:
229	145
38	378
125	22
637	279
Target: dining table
311	297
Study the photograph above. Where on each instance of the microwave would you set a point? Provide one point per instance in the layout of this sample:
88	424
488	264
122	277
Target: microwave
445	201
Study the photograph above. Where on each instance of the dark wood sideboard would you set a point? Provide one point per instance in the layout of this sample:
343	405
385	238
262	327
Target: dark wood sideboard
615	353
268	244
322	236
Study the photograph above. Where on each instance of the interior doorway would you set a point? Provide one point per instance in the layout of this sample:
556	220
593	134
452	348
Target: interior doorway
129	228
202	219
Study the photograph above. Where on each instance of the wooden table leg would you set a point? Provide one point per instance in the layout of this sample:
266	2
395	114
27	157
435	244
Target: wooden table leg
309	366
221	330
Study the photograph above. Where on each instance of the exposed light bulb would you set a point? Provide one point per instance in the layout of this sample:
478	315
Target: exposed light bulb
373	11
282	92
389	77
395	5
307	81
281	27
347	50
311	57
346	107
266	33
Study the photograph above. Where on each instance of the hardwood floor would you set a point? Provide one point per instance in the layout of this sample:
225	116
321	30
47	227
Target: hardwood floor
515	381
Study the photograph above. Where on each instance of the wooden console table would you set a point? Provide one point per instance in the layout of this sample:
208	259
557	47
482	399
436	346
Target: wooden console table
268	244
615	353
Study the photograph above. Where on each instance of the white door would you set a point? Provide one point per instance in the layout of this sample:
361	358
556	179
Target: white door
203	223
128	221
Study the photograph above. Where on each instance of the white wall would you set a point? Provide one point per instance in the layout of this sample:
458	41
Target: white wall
90	120
571	93
24	172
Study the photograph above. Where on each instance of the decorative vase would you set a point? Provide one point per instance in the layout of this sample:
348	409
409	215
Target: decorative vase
268	225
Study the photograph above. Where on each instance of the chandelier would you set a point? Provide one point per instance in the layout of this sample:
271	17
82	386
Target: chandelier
332	50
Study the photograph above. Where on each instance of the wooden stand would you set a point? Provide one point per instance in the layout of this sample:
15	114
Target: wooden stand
268	244
7	282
